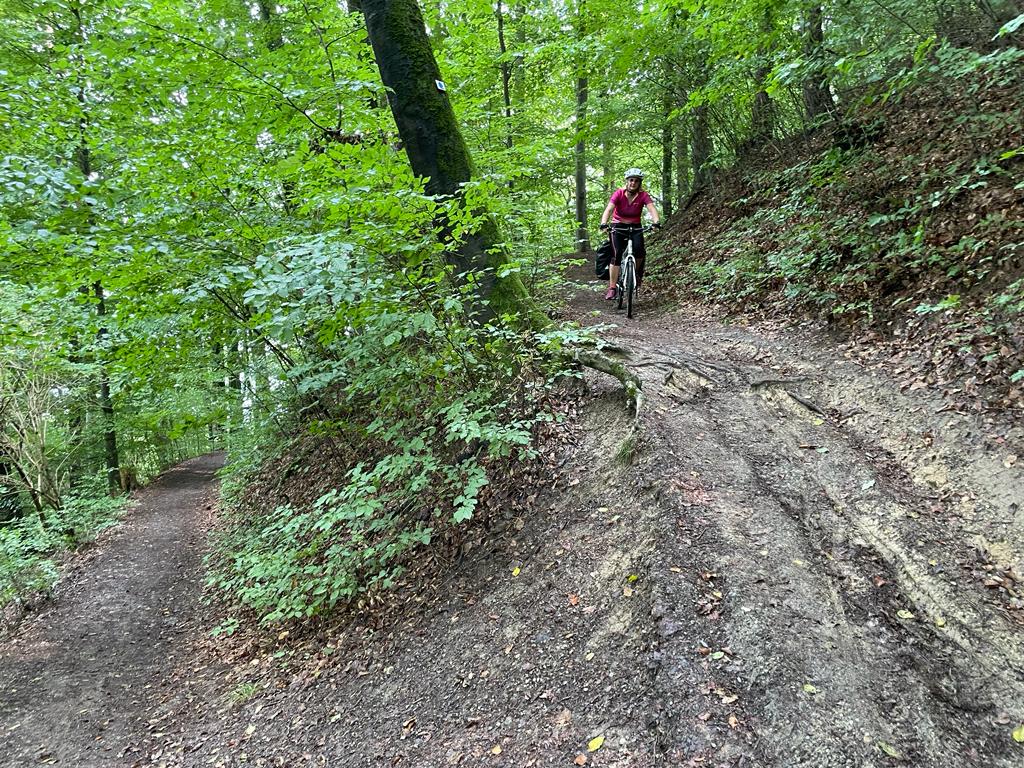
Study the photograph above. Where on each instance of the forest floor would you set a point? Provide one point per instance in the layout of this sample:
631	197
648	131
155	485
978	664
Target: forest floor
792	560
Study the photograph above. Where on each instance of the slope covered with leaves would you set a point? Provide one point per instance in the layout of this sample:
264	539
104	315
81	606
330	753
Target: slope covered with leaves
901	228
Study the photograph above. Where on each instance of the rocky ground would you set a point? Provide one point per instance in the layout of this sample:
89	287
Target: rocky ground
788	559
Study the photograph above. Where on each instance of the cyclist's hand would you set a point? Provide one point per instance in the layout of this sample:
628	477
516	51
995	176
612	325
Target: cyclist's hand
604	227
656	225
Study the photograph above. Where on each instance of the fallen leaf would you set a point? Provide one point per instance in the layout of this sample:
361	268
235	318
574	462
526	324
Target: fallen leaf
704	716
890	750
627	591
581	759
632	577
1018	734
903	613
808	688
1010	460
515	571
729	699
595	743
718	655
734	721
574	599
589	656
496	749
939	621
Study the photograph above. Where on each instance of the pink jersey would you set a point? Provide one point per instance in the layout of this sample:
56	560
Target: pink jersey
626	212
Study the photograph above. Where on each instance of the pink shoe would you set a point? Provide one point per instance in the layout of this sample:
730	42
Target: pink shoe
609	294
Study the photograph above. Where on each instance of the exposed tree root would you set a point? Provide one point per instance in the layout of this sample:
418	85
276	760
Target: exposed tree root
695	365
630	381
808	404
755	383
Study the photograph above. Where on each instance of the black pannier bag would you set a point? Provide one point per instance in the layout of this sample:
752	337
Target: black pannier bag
604	258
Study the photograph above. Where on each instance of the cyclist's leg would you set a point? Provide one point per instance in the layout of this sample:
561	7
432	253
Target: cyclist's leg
618	247
640	253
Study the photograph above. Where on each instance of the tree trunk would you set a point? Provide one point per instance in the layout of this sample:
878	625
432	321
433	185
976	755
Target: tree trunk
519	17
701	148
762	116
435	147
582	93
682	162
666	148
816	91
83	158
582	234
110	455
607	178
506	75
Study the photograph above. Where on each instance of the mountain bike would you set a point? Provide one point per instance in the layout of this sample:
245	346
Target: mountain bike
626	289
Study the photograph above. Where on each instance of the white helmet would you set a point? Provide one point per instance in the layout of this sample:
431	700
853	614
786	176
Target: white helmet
634	173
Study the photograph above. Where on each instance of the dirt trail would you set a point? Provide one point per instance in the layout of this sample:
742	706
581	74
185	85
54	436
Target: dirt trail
792	563
853	549
79	680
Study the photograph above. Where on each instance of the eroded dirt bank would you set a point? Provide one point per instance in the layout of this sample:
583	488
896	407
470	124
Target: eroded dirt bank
79	680
791	563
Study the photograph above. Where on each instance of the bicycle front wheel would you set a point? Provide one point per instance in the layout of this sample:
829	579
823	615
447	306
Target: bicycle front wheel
629	287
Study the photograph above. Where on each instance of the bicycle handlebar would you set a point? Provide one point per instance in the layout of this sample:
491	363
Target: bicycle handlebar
621	225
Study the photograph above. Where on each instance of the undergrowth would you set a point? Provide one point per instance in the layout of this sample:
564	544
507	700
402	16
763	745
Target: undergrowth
407	397
920	224
30	545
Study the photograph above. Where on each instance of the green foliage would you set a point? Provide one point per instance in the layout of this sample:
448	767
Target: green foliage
429	396
29	543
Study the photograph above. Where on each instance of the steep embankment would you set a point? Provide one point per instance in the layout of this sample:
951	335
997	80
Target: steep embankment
901	230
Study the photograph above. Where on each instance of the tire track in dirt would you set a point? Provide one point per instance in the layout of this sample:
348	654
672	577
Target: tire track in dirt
843	635
78	680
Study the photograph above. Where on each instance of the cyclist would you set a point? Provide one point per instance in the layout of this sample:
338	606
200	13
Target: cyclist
625	208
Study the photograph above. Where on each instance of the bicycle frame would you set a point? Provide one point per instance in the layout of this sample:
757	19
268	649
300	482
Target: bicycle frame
627	282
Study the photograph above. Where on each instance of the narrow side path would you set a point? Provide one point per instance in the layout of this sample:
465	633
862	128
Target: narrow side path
77	680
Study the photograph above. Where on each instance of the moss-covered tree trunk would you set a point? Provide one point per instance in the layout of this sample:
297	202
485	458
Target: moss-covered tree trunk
432	140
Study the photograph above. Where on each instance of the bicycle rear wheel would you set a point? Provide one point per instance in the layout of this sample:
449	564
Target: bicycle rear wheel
629	287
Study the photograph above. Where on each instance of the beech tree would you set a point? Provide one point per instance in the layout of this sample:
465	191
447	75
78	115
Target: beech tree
434	144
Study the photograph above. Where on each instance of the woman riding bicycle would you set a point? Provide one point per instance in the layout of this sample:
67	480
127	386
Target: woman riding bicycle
625	208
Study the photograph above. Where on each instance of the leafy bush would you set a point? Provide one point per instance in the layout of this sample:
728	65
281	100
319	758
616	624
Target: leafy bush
412	381
28	545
